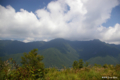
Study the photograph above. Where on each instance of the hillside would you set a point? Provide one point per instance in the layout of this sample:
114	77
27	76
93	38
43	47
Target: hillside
59	52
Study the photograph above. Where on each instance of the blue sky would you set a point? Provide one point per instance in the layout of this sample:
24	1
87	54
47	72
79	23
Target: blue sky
29	5
51	19
115	17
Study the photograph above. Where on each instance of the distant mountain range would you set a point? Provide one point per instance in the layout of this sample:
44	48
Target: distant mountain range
59	52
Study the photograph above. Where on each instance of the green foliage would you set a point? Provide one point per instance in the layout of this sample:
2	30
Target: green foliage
1	63
99	52
54	58
105	66
32	61
9	72
78	65
86	64
103	60
117	69
75	65
97	65
85	73
6	68
27	73
81	63
31	69
60	52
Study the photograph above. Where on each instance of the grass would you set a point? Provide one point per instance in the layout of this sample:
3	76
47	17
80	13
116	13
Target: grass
86	73
10	71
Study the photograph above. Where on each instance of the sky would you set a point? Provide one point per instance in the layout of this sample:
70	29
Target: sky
44	20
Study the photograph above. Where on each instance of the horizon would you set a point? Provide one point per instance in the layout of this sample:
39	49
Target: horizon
59	38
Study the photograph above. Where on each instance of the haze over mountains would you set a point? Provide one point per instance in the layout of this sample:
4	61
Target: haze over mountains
59	52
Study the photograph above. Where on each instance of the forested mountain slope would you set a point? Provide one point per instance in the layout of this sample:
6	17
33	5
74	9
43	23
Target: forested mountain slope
60	52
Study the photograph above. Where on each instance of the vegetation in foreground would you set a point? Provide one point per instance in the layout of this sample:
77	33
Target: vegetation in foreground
33	69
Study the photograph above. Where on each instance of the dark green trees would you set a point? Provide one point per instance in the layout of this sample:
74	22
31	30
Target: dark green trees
75	65
32	62
32	59
86	64
79	64
32	68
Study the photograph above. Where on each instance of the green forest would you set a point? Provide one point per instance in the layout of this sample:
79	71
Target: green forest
61	52
32	68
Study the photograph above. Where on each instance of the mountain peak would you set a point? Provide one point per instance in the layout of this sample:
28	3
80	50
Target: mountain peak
58	40
96	40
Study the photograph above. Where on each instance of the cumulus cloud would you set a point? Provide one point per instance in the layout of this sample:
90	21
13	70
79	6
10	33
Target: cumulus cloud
111	34
68	19
28	40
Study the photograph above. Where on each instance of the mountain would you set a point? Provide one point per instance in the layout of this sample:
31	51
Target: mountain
60	52
8	47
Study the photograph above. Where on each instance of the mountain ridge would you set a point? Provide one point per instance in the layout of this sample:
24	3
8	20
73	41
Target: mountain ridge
93	50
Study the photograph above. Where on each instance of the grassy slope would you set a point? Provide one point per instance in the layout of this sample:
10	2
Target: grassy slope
103	60
63	54
16	57
52	57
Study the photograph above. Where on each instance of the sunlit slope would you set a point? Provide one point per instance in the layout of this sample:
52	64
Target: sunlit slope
53	57
59	52
104	60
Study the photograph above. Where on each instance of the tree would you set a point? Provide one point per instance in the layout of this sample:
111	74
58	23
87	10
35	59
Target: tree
97	65
86	64
75	64
81	63
1	64
32	61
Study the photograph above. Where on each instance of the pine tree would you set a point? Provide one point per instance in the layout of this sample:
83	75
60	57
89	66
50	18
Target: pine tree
33	60
81	63
75	64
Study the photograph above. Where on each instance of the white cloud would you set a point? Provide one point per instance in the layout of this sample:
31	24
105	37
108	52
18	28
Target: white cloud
28	40
69	19
45	40
111	34
12	39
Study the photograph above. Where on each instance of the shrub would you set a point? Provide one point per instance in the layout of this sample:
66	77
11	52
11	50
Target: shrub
32	62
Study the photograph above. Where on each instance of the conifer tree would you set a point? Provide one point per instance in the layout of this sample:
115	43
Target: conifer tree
33	60
81	63
75	64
